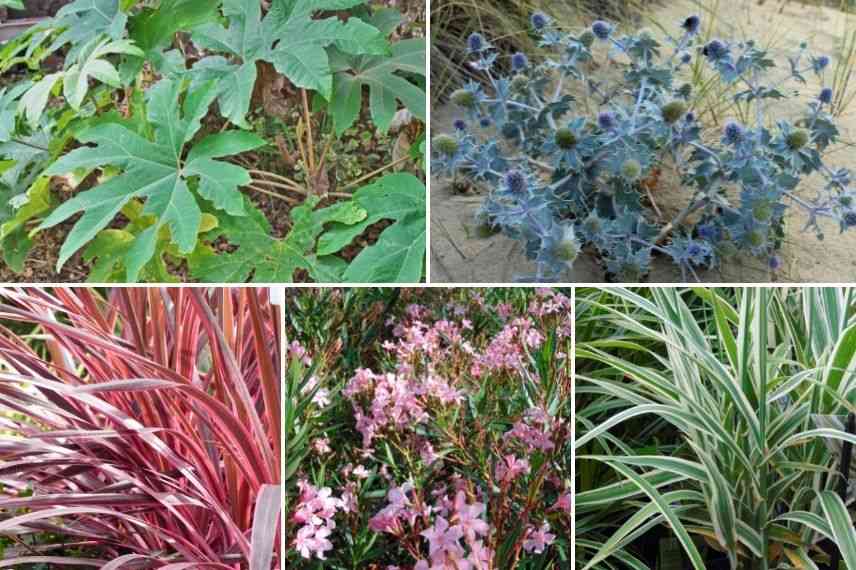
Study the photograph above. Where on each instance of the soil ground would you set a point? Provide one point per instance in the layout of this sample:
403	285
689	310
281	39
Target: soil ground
457	255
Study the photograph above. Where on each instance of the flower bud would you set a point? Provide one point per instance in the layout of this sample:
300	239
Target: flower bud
797	139
445	144
463	98
565	138
631	169
673	111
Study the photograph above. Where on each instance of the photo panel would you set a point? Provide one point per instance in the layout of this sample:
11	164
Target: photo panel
428	428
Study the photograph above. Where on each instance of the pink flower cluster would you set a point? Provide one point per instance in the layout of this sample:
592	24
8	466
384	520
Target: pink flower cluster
445	549
535	430
315	511
396	401
507	350
538	539
509	468
296	351
398	510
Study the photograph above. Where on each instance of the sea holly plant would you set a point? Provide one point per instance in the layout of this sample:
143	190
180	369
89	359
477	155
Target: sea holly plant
569	176
142	135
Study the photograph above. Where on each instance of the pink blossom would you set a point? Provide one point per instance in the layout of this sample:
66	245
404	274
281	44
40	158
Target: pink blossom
313	540
563	503
441	538
510	467
427	453
469	517
321	445
538	540
361	472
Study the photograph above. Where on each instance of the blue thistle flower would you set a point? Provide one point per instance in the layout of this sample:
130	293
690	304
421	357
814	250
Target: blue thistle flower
539	20
601	29
733	132
460	125
821	62
606	120
689	117
691	24
515	181
686	58
825	95
775	262
519	61
484	122
475	43
708	232
849	219
715	50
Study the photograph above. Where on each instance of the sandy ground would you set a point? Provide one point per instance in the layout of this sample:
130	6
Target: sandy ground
457	255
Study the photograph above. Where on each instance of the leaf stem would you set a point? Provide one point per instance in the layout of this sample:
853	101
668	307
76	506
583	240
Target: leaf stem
374	173
309	139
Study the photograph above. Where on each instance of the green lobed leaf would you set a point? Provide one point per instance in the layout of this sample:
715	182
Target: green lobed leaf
151	171
398	255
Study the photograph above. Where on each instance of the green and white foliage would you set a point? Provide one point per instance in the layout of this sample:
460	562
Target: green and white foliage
696	410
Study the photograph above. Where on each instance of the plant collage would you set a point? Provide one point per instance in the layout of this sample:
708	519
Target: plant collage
427	284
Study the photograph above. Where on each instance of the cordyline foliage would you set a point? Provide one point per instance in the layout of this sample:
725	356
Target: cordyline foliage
148	112
598	157
141	430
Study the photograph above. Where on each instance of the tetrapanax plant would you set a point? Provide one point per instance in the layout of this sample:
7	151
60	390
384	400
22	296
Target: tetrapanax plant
569	176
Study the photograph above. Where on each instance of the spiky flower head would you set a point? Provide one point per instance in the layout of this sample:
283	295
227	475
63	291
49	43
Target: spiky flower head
686	57
822	62
601	29
691	24
762	211
519	82
476	42
539	20
715	50
484	122
515	181
849	219
463	98
673	110
755	237
825	95
733	132
593	224
587	38
567	248
689	117
631	169
460	125
519	61
606	120
726	248
797	139
775	262
565	138
445	144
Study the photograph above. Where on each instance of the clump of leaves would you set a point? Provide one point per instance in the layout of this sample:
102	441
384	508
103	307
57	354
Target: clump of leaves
573	176
147	427
141	87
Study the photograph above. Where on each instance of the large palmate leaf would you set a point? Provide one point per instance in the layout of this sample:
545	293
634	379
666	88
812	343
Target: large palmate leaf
155	171
399	254
382	76
288	37
154	28
266	259
9	108
84	20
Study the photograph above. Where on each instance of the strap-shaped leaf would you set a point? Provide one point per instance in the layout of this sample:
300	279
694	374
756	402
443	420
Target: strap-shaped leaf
152	170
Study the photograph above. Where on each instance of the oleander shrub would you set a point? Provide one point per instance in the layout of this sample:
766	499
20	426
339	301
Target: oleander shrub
570	172
140	428
428	429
